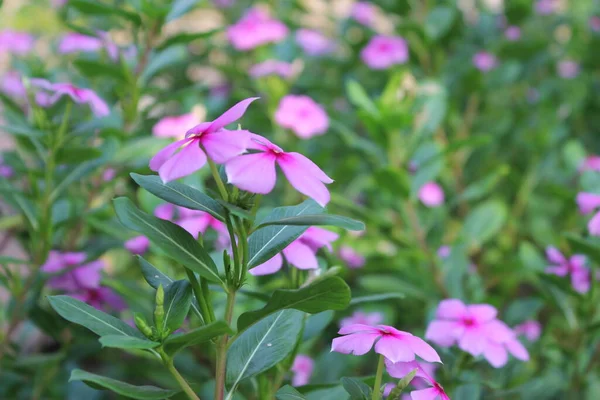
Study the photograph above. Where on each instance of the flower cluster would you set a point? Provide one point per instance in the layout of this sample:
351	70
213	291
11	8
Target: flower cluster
574	267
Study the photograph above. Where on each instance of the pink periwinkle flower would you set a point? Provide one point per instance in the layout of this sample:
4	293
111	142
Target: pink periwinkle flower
271	67
75	42
138	244
587	203
175	126
485	61
573	266
197	222
363	12
513	33
13	86
351	257
301	253
530	329
314	43
431	194
476	330
430	390
568	69
256	28
109	174
78	95
591	163
100	297
256	172
545	7
594	23
362	318
383	52
302	115
19	43
393	344
302	369
220	145
444	251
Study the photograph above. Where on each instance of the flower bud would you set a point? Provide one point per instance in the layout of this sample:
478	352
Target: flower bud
142	325
159	310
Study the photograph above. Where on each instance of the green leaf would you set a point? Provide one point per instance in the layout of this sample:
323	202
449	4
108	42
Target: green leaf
122	388
471	391
316	323
376	298
356	389
175	241
96	8
21	130
127	342
180	194
196	336
402	384
317	220
87	316
181	7
331	293
289	393
485	221
77	154
263	345
585	246
235	210
93	69
439	21
265	243
360	98
186	38
164	59
178	298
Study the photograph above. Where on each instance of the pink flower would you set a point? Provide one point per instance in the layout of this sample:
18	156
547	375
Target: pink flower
363	12
545	7
431	194
568	69
256	172
351	257
430	390
6	171
485	61
75	42
594	23
393	344
591	163
574	266
587	202
99	297
255	29
19	43
302	369
138	244
271	67
362	318
175	126
302	115
476	330
530	329
13	86
382	52
301	253
513	33
78	95
220	145
444	251
197	222
314	43
109	174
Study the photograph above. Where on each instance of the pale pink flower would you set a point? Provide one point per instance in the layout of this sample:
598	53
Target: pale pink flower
19	43
220	145
256	28
78	95
175	126
530	329
256	172
485	61
75	42
301	253
591	163
138	244
444	251
430	390
351	257
573	266
13	86
431	194
568	69
476	330
302	115
314	43
364	13
545	7
109	174
362	318
587	202
271	67
197	222
594	23
382	52
302	369
513	33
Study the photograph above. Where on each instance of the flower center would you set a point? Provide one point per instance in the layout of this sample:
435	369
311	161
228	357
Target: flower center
468	321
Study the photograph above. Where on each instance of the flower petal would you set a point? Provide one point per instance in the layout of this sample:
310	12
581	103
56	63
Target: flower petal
233	114
473	341
395	349
451	309
268	267
189	160
252	172
303	179
301	256
354	328
443	333
317	237
555	256
594	225
482	312
495	354
422	349
163	155
519	351
224	145
357	344
424	394
587	202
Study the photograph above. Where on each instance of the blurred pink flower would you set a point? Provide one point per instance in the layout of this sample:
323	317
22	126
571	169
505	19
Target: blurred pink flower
165	211
362	318
545	7
6	171
387	389
393	344
78	95
109	174
256	172
430	391
485	61
314	43
138	244
574	266
301	253
255	29
530	329
100	297
302	369
19	43
568	69
74	42
431	194
271	67
175	126
13	86
197	222
220	145
351	257
363	12
302	115
383	52
444	251
594	23
476	330
587	202
513	33
591	163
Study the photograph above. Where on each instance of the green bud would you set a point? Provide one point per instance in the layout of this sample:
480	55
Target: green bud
142	325
159	310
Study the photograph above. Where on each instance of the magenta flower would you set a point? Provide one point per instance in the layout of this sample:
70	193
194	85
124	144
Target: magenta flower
587	203
256	28
431	194
530	329
574	266
485	61
362	318
314	43
431	390
476	330
513	33
591	163
382	52
78	95
594	23
75	42
351	257
444	251
256	172
301	253
302	369
545	7
568	69
19	43
100	297
220	145
138	244
302	115
13	86
109	174
364	13
271	67
175	126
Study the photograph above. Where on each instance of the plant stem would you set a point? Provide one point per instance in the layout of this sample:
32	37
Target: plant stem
199	296
377	385
234	250
180	379
222	349
217	178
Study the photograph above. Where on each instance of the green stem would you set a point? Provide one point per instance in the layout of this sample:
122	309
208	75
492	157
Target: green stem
222	350
199	296
206	292
378	376
217	178
180	379
244	256
234	250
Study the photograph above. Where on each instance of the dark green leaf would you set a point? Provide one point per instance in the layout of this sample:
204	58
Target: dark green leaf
164	59
317	220
96	8
203	334
76	155
356	389
439	21
471	391
93	69
186	38
315	324
485	221
122	388
181	7
289	393
22	130
376	298
585	246
178	297
235	210
127	342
